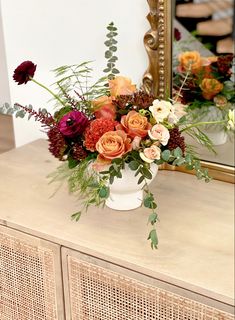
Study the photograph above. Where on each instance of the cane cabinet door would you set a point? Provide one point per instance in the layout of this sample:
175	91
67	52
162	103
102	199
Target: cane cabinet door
98	290
30	278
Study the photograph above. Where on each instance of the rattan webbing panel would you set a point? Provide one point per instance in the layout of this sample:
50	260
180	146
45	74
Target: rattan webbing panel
27	282
100	294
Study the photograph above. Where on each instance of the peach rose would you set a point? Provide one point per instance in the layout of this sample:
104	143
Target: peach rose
121	85
136	143
150	154
190	60
104	108
135	124
113	144
210	88
159	133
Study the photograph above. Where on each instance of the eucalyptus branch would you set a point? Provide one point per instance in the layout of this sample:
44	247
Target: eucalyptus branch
150	203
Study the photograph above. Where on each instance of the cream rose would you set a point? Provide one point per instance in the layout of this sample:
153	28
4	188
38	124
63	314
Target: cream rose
121	86
159	133
160	109
150	154
113	144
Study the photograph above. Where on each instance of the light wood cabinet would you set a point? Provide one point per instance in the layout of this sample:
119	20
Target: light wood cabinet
30	277
102	268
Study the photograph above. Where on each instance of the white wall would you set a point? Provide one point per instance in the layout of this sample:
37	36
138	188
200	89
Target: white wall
57	32
4	85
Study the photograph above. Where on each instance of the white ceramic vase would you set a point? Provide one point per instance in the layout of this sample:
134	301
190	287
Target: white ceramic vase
125	192
215	133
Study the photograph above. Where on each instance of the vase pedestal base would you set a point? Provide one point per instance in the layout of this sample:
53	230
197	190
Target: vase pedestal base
125	201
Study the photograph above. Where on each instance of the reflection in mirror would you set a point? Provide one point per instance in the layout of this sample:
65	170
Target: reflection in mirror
207	28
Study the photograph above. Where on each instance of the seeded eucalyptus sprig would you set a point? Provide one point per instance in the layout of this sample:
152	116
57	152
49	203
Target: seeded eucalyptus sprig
189	161
109	54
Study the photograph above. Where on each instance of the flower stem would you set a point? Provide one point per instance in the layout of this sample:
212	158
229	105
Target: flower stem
52	93
182	85
202	123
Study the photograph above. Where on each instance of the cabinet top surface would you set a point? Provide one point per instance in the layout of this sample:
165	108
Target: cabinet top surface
196	228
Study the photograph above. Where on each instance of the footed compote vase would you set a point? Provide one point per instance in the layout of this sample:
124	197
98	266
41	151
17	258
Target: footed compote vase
125	192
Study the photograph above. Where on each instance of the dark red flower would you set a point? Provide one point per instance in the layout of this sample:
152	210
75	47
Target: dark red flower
177	34
24	72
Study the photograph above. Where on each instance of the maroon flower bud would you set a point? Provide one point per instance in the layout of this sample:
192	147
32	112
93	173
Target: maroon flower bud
177	34
73	124
24	71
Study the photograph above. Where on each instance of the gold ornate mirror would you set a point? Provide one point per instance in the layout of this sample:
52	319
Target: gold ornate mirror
157	41
158	76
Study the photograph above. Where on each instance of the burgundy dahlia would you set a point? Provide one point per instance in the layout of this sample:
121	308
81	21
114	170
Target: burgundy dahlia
73	124
24	72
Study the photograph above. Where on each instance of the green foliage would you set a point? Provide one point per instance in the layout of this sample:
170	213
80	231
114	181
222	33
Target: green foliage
111	43
74	85
76	216
84	182
18	112
154	239
9	110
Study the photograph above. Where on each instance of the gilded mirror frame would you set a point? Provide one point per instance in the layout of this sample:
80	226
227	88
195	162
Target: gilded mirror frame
157	79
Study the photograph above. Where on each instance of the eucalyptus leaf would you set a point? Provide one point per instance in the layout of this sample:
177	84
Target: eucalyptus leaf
103	192
133	165
153	218
108	54
115	71
113	48
154	239
146	172
177	152
166	155
141	179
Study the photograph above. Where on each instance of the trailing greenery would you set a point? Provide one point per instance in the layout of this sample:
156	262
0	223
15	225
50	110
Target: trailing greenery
93	188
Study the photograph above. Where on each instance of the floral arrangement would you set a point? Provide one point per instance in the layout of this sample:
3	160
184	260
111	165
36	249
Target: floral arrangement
98	130
206	85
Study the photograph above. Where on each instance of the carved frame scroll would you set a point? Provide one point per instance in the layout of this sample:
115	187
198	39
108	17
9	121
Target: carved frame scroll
157	41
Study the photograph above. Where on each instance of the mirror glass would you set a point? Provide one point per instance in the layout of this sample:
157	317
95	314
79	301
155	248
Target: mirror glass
206	26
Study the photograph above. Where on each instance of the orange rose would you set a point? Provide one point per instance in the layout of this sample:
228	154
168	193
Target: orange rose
121	85
190	60
104	108
113	144
210	88
135	124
